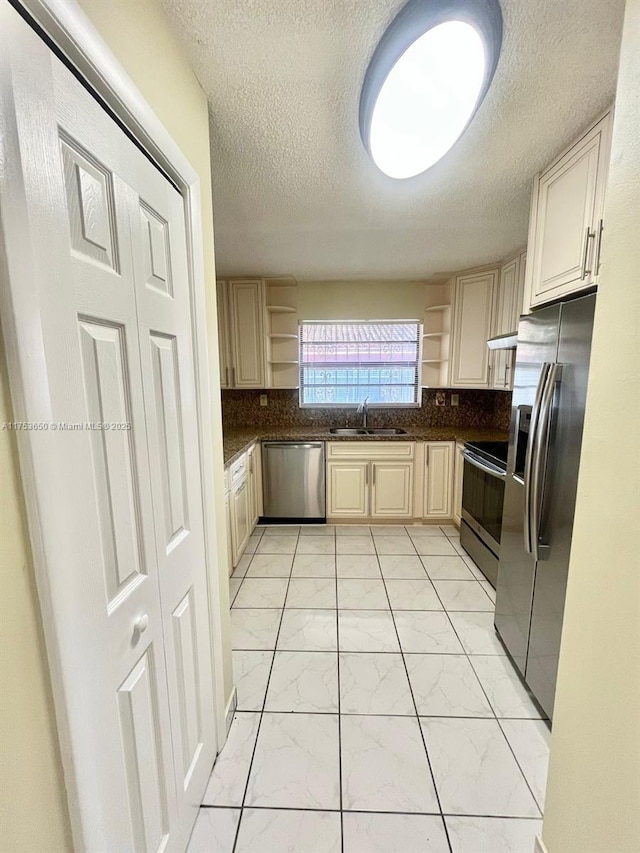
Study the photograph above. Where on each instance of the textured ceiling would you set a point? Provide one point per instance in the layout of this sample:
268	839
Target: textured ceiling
295	191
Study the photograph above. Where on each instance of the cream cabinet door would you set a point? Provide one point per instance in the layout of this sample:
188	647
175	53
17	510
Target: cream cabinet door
255	483
472	327
240	524
224	330
348	488
457	483
392	489
247	323
227	510
565	230
438	479
508	307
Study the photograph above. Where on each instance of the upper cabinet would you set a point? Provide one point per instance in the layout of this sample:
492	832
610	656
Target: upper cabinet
473	313
224	343
508	309
281	328
258	333
246	310
565	229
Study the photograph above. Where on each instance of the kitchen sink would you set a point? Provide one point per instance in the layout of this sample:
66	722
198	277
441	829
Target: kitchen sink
369	431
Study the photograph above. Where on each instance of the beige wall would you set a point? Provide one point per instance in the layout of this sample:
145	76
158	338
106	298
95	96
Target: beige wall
32	799
33	805
593	794
361	300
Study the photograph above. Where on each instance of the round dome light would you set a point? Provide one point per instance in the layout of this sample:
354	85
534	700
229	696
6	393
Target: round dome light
426	79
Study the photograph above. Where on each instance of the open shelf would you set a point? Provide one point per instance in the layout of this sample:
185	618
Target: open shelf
282	361
281	309
436	308
283	337
434	334
432	360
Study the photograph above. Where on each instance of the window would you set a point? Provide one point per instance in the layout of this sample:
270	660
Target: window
342	363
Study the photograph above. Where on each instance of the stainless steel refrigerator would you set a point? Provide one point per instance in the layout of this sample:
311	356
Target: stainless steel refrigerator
549	394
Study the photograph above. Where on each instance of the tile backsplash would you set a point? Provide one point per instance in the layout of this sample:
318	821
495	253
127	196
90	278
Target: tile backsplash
477	409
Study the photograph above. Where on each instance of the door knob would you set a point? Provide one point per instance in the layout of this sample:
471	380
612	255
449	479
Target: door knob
141	624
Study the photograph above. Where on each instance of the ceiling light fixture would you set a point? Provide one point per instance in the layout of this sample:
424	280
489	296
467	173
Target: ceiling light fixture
426	79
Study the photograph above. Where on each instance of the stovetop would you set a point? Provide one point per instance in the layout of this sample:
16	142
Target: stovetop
492	451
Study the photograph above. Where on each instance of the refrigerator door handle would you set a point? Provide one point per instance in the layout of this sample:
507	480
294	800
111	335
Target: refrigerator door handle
529	457
541	452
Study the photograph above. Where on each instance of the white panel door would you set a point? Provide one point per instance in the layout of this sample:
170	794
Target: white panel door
473	325
348	489
168	376
247	321
438	479
392	489
224	334
117	617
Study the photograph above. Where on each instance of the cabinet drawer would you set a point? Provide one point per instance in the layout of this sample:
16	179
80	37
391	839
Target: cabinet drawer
238	471
371	450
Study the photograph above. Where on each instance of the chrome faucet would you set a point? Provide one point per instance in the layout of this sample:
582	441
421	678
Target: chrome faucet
363	409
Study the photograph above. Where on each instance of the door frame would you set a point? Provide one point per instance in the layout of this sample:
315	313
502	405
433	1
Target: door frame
73	36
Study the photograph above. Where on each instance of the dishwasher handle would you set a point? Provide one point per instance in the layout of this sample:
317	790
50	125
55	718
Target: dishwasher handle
292	445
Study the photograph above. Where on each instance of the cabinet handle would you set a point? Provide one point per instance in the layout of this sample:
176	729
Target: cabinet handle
596	263
373	475
588	236
233	377
507	367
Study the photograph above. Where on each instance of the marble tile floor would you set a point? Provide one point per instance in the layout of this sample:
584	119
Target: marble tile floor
377	710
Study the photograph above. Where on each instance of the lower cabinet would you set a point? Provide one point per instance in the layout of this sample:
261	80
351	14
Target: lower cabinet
243	485
457	483
255	484
376	482
348	489
392	489
240	524
438	479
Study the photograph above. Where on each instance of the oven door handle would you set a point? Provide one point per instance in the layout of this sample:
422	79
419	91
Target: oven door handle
483	466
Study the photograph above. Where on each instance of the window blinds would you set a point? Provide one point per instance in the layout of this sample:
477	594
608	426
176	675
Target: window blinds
342	363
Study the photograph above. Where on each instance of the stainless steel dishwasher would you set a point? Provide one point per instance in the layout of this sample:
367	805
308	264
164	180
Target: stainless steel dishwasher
293	480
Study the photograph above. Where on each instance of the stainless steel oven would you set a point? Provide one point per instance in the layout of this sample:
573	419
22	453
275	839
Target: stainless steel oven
485	471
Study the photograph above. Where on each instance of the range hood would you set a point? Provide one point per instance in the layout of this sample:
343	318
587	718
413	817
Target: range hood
509	341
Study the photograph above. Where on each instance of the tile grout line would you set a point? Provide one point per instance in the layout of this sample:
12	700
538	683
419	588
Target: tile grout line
466	654
366	812
413	699
264	701
335	550
493	710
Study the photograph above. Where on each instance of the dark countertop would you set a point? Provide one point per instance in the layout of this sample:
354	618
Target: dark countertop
236	441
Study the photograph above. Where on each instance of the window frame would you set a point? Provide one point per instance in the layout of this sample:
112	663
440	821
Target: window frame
301	365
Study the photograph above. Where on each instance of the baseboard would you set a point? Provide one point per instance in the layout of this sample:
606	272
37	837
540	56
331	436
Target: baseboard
540	846
230	710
